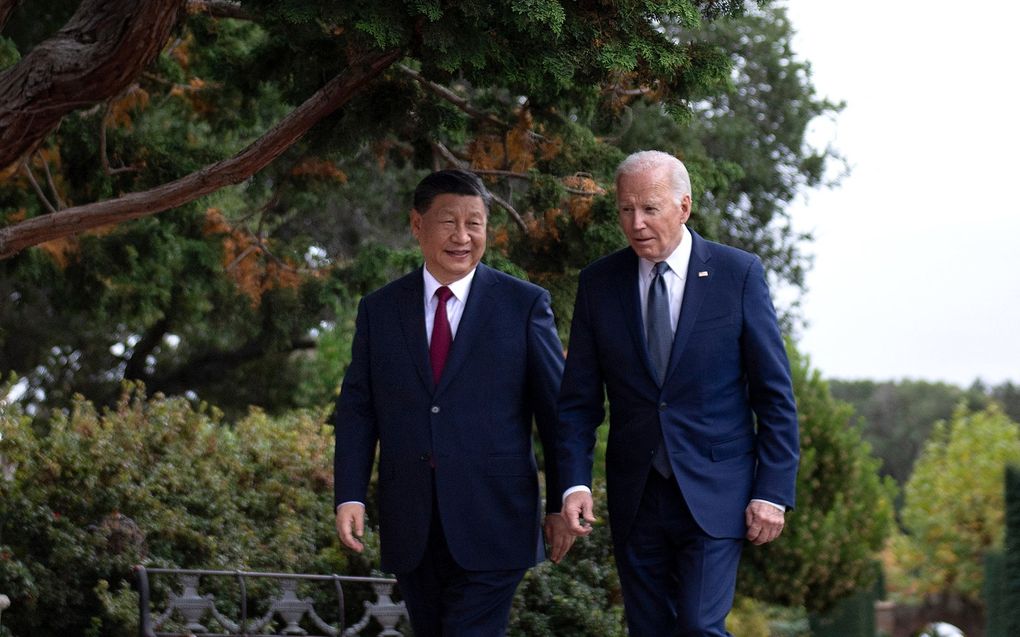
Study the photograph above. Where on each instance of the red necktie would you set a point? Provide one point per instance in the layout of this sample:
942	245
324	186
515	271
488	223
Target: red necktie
442	337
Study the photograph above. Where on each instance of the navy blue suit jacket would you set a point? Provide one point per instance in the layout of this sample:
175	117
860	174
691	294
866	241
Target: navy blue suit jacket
728	365
502	375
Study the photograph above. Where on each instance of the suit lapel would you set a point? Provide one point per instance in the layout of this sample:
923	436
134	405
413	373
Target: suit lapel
630	301
412	323
695	287
480	302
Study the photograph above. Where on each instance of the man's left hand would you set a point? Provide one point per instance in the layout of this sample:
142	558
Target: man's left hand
558	536
764	522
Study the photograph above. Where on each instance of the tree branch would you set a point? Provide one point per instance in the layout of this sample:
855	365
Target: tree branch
104	159
7	7
49	181
35	186
452	97
256	156
103	47
449	156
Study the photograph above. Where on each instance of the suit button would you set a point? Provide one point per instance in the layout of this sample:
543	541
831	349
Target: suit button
425	457
435	409
662	406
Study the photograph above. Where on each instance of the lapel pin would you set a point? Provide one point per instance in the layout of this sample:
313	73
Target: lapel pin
703	273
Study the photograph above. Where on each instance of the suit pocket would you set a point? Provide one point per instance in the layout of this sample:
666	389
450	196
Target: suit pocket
732	448
509	466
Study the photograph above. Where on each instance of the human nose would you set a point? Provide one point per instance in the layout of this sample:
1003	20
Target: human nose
460	233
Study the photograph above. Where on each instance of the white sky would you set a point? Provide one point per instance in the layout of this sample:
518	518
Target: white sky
917	253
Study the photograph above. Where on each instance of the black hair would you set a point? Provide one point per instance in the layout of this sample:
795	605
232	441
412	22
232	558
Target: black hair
452	182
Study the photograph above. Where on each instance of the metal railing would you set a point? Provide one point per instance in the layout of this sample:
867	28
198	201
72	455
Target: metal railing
284	613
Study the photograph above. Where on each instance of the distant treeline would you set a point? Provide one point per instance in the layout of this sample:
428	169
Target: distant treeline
896	417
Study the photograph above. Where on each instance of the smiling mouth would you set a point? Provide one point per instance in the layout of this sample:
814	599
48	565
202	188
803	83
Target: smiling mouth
458	253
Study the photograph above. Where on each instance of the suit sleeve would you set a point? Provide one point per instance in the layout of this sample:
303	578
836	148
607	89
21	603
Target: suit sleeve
582	398
354	420
545	371
770	390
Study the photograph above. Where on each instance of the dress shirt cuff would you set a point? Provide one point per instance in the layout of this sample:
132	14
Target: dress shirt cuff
349	502
579	487
778	506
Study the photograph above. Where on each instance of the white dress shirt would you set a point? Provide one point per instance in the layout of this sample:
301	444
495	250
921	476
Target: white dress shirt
454	306
675	277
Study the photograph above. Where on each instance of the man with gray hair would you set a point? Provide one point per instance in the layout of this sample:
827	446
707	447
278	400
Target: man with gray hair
703	448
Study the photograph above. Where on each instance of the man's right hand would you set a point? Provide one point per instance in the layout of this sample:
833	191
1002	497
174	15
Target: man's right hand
350	525
578	511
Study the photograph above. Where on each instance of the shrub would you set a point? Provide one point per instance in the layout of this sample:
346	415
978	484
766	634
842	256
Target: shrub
157	481
843	512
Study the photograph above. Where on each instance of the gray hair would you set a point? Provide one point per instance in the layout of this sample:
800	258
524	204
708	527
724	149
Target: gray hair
652	159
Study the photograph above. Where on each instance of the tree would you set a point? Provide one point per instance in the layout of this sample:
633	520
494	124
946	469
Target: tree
953	510
229	298
844	510
168	484
897	417
353	44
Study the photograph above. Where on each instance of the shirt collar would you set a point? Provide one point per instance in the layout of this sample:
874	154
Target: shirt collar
677	261
459	287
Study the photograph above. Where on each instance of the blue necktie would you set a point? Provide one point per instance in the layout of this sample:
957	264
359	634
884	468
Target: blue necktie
657	323
660	342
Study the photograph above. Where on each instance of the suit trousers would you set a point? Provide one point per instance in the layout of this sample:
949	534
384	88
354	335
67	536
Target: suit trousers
676	579
445	600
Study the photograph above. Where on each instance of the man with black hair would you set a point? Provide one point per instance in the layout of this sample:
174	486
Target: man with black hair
451	366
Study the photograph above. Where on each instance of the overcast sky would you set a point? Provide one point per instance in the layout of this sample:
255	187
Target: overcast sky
917	253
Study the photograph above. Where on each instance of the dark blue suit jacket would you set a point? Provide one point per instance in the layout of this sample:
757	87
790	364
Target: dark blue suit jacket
727	366
475	428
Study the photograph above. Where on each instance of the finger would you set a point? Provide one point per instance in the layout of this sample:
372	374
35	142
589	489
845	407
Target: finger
568	541
570	516
557	549
345	524
754	533
577	529
587	509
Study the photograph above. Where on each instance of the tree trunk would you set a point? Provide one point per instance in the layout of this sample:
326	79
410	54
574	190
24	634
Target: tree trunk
209	179
6	9
99	52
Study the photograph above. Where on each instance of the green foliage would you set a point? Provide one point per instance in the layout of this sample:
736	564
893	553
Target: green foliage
9	54
954	504
745	142
843	514
897	417
155	481
236	298
1011	550
851	617
997	610
748	619
1008	396
579	597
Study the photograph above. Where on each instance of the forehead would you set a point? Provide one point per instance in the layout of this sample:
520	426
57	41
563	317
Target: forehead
648	184
454	204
